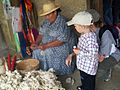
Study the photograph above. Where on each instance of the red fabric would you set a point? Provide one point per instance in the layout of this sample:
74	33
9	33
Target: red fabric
9	61
30	36
13	63
28	4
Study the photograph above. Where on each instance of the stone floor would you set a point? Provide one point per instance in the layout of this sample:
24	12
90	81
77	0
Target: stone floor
113	84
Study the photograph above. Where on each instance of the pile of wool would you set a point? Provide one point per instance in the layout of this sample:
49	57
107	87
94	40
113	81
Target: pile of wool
34	80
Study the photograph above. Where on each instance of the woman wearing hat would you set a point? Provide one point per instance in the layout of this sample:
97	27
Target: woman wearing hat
57	41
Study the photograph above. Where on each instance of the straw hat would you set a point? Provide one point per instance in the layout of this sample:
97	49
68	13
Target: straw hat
48	8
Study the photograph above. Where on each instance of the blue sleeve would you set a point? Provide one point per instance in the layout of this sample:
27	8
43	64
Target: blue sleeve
106	43
63	33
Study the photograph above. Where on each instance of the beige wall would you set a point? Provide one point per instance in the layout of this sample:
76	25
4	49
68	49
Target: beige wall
6	28
68	7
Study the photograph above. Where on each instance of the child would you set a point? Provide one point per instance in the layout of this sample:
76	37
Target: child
86	51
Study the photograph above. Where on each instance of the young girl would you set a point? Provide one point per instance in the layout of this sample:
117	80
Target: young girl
86	51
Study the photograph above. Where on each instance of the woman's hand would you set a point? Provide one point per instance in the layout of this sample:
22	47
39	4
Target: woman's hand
42	47
69	60
76	50
34	46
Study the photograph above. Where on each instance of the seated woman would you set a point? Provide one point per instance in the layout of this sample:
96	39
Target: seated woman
57	41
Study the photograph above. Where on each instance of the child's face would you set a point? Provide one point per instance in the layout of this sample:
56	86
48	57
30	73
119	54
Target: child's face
82	28
78	28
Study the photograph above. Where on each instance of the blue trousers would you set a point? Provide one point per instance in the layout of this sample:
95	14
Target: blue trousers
88	81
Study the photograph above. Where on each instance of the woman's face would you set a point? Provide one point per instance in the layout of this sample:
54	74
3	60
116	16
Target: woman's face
51	17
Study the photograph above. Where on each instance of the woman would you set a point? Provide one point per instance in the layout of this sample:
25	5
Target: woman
57	41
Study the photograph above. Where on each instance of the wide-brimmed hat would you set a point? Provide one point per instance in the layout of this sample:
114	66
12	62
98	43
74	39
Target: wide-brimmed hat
48	7
95	14
81	18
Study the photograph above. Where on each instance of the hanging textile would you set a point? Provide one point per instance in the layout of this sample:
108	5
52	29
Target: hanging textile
16	20
16	26
28	5
22	44
7	8
26	23
35	33
26	31
17	42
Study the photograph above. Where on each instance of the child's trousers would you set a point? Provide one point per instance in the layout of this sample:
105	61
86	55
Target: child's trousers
88	81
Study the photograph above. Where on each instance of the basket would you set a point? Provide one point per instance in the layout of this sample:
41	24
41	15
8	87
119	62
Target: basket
27	65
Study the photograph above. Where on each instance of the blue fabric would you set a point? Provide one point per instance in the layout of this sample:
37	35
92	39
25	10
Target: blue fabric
23	41
22	44
55	57
24	16
107	12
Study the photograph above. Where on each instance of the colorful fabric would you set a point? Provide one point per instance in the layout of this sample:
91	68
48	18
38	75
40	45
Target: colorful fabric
87	59
17	41
22	44
55	57
35	33
7	8
27	35
16	20
28	4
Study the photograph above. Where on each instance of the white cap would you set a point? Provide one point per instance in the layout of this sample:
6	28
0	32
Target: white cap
81	18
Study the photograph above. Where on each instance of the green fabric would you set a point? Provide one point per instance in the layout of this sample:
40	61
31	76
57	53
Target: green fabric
17	42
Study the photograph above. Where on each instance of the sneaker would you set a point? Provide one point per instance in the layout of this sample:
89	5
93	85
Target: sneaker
70	80
79	87
109	76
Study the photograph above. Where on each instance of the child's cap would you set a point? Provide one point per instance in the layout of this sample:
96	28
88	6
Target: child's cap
82	18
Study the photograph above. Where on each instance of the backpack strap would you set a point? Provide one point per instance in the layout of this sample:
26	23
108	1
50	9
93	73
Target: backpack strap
102	30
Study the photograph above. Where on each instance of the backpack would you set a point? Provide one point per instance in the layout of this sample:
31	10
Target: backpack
114	31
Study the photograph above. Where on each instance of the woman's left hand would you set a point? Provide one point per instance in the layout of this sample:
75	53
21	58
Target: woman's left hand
42	47
69	60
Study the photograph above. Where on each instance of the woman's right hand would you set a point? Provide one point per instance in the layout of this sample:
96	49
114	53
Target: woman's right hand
34	46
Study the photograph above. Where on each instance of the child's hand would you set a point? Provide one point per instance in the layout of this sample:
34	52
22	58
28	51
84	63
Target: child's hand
76	50
69	60
101	58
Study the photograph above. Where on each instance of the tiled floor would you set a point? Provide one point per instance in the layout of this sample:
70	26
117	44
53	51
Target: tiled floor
113	84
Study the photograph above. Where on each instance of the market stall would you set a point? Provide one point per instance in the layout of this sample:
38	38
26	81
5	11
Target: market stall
26	76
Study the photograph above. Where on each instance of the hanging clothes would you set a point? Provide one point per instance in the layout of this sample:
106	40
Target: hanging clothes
7	8
26	25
